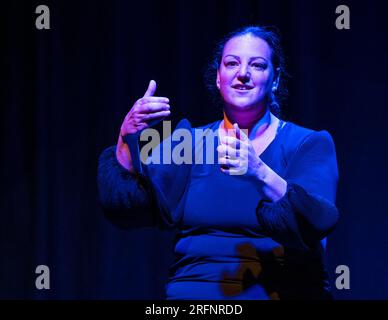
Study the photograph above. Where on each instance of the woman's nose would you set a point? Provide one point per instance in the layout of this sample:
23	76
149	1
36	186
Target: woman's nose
243	74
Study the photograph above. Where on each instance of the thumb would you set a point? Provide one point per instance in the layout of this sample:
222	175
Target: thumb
236	127
240	134
151	89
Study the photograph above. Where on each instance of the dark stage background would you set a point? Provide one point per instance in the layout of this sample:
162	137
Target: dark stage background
67	90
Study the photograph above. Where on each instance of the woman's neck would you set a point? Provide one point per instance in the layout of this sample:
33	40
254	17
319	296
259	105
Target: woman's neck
256	123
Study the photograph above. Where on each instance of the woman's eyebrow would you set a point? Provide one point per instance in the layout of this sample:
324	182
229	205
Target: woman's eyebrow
250	59
254	58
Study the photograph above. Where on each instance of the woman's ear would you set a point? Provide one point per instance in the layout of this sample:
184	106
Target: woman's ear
218	81
275	82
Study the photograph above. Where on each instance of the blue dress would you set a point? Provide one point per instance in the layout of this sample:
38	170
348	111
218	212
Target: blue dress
233	242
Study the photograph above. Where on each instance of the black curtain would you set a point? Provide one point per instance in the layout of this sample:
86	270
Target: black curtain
66	91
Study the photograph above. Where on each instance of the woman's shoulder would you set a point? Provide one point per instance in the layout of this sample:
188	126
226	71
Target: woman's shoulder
295	136
295	132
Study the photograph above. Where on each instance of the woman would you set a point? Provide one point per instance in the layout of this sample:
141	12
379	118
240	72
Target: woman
250	226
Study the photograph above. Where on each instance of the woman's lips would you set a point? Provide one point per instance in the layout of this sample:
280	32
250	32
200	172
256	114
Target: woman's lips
242	90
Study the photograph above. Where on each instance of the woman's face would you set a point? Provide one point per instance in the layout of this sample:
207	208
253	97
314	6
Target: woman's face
245	75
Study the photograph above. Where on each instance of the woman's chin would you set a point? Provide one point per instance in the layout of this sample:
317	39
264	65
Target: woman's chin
241	106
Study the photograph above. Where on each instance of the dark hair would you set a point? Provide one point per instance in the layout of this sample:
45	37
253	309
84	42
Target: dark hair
272	37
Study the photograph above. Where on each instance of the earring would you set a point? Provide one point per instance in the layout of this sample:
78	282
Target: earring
274	88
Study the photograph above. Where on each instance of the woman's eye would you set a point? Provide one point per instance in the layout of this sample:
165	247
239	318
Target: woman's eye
231	63
260	66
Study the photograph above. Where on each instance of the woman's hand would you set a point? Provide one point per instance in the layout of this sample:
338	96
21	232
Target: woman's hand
147	111
237	156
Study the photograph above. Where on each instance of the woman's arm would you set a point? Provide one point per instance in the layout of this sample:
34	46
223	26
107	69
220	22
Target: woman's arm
274	186
156	193
306	211
123	155
121	192
298	209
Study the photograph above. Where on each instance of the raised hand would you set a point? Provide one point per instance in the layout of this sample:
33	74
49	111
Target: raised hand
147	111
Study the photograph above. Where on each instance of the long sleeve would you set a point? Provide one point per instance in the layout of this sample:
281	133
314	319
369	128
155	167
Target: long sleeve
124	196
155	196
307	212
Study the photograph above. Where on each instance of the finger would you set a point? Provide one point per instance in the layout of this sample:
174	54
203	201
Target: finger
228	163
145	100
231	141
151	89
156	115
228	146
133	127
233	171
153	107
226	151
234	145
241	134
141	126
221	149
